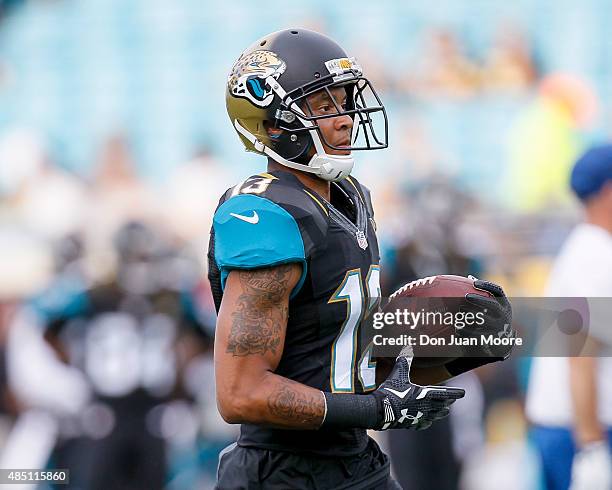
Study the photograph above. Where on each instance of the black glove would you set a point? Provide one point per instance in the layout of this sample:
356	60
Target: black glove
404	405
497	313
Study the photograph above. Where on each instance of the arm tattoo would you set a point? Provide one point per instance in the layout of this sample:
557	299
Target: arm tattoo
289	404
259	315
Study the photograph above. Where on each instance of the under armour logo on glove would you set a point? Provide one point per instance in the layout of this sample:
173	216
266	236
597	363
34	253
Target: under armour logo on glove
413	418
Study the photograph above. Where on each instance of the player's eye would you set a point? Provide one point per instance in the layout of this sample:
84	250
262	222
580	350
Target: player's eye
326	108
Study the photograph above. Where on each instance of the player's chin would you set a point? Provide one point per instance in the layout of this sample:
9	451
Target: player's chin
339	151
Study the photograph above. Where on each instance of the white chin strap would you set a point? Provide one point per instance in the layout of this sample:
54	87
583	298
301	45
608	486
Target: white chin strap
327	167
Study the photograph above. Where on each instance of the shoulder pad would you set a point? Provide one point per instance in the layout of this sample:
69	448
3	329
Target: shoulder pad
253	232
63	300
282	191
309	211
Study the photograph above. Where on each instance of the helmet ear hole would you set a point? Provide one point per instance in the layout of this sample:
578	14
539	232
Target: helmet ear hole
293	145
272	130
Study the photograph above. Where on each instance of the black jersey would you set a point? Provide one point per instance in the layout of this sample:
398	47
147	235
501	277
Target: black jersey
124	342
271	219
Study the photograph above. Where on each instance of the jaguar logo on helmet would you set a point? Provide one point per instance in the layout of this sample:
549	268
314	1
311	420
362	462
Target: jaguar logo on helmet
249	73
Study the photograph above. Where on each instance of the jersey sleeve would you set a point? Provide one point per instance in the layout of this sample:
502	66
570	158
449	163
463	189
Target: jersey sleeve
252	232
62	301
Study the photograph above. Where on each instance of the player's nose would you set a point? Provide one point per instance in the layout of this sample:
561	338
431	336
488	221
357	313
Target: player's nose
343	122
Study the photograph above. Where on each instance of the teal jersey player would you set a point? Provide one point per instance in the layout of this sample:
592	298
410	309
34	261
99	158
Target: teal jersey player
284	222
294	270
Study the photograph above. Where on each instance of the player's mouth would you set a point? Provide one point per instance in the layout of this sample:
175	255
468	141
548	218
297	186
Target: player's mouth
339	147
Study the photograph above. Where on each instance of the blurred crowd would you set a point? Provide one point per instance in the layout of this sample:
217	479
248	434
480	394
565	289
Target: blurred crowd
445	68
107	319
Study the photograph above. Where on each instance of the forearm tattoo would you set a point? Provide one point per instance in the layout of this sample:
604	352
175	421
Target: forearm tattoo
287	403
257	319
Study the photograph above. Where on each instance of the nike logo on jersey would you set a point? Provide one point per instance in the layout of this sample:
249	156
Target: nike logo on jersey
249	219
401	394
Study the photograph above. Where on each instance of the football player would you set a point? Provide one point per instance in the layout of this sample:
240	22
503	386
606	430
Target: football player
569	400
294	269
120	342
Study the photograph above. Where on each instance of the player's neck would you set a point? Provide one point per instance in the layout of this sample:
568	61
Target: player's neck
603	220
598	210
320	186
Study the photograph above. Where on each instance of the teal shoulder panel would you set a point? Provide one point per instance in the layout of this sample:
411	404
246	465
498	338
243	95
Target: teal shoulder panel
65	299
253	232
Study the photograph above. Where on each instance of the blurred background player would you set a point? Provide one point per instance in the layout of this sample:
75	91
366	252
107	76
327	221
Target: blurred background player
570	399
127	344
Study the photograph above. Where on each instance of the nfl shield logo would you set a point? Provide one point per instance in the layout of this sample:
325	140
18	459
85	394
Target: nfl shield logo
362	241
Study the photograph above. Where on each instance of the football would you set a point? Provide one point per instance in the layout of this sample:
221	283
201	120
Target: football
431	310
